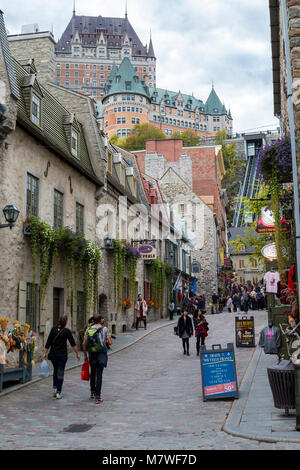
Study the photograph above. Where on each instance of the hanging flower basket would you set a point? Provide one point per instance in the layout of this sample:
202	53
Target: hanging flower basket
127	303
275	160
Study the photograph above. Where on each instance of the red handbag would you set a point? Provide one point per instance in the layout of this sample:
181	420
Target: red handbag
85	371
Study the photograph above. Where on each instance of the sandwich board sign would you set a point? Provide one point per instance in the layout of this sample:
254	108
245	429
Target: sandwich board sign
244	332
218	369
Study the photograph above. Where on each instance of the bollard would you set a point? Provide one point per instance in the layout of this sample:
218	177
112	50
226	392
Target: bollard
297	395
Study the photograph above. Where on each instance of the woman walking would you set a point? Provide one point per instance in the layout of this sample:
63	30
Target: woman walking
58	355
141	309
185	331
201	329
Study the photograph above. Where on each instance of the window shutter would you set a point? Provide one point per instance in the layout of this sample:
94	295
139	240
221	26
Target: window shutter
22	302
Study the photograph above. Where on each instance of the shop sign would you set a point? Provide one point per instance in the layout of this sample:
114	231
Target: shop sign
218	369
147	252
244	332
196	267
269	251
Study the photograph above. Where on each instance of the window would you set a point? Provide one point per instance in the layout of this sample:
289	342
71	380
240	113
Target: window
128	86
32	305
122	174
254	264
58	209
241	264
35	109
74	143
32	196
79	218
109	162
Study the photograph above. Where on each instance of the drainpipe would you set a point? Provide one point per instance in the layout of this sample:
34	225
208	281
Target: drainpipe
295	180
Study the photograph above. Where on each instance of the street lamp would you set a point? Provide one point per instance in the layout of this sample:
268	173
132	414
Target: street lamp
11	214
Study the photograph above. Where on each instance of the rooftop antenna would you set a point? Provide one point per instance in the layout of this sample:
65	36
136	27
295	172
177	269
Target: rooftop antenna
74	12
126	13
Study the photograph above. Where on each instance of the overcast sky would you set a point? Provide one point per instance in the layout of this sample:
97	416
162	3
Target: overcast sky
195	42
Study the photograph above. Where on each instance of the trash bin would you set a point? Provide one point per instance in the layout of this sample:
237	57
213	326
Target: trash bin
282	382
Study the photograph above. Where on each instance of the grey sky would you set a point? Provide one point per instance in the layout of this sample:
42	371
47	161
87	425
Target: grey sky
195	42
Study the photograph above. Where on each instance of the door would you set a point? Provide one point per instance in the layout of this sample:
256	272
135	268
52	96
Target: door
57	304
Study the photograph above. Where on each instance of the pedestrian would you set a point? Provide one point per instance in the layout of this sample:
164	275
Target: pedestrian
141	308
229	304
215	299
253	299
171	309
185	331
58	355
95	350
237	302
201	329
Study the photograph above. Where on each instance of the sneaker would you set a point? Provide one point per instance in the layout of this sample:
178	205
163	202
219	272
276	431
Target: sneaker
54	392
188	354
58	396
184	352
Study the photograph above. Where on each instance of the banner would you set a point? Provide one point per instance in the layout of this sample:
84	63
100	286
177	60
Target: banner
178	283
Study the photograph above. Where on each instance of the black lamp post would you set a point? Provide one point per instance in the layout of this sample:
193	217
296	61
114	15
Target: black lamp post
11	214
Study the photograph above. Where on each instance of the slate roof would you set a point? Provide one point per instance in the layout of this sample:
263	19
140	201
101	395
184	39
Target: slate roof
169	97
8	59
112	29
234	233
213	104
117	81
56	121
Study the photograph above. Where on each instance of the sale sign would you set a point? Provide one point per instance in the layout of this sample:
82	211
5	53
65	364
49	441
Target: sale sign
218	372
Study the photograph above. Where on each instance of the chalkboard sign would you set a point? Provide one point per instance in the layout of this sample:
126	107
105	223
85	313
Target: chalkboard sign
218	372
244	332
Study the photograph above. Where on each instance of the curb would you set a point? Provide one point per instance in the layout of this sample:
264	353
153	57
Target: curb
231	425
121	348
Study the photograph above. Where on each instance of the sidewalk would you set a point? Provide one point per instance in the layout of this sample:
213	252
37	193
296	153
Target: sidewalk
123	341
253	415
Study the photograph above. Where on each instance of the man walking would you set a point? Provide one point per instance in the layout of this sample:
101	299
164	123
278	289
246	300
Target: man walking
94	344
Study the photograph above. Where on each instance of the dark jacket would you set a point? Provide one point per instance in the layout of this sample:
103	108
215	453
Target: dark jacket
188	326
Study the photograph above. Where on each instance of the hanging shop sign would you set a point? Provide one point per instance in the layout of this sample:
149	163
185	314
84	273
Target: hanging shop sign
269	251
218	369
196	267
266	223
244	332
147	252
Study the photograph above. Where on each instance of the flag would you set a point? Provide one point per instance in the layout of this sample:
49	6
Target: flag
178	283
193	288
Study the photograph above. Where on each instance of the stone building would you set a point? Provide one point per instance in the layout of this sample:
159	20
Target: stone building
280	81
128	100
199	225
48	170
202	167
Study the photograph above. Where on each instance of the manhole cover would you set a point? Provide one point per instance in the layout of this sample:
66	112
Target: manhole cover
78	428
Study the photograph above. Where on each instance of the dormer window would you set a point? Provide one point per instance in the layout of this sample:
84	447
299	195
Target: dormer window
122	175
36	110
74	143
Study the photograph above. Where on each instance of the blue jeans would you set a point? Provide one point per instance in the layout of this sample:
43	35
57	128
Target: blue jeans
59	363
96	379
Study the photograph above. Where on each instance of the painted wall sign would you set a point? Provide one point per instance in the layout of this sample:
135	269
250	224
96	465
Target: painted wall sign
218	369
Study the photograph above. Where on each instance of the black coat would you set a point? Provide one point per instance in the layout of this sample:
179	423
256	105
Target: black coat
188	326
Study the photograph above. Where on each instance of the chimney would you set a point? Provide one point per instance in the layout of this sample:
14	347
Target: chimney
39	46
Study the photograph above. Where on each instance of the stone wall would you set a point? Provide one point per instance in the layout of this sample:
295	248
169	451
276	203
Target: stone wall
25	154
175	190
38	46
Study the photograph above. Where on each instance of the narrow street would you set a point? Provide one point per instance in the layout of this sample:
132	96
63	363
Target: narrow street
152	400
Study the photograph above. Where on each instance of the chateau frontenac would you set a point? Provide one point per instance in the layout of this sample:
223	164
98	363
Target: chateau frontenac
103	58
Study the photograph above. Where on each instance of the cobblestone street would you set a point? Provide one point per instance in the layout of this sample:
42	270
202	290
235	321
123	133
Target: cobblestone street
152	400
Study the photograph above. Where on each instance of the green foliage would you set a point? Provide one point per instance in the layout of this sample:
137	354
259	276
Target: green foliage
189	138
81	257
138	136
119	269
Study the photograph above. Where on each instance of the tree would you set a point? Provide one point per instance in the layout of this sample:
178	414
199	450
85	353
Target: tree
138	136
189	138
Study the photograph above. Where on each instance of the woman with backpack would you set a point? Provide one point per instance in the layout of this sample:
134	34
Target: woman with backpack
58	355
95	350
201	329
185	331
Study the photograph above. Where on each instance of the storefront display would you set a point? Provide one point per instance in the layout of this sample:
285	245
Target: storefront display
21	339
